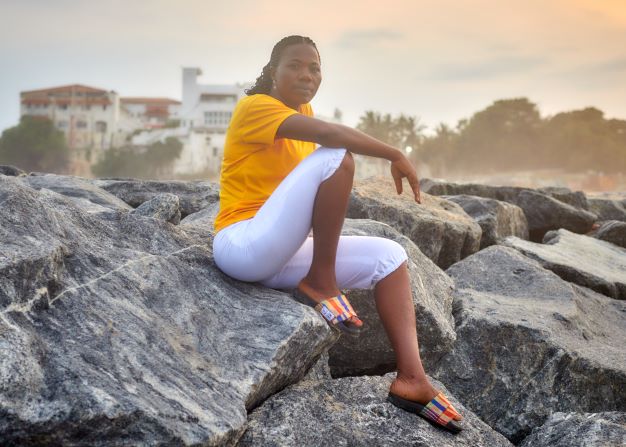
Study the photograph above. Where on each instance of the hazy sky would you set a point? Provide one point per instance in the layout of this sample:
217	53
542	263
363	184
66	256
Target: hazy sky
441	60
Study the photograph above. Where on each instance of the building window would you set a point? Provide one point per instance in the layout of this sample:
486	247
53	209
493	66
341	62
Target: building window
215	152
81	124
104	107
62	124
101	126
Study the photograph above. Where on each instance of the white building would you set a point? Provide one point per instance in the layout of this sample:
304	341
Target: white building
90	117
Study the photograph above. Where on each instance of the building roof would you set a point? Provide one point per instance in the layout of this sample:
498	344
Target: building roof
76	88
148	101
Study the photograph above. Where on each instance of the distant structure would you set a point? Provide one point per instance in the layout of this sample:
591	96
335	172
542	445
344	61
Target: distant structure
95	119
153	113
89	117
204	117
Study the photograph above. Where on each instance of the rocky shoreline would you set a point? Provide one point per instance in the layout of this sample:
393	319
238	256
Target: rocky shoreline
117	328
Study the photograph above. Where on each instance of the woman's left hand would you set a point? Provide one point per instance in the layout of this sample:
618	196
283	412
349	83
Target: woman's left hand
402	167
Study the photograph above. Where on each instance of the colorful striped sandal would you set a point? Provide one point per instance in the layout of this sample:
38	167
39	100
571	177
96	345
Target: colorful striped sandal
335	311
439	411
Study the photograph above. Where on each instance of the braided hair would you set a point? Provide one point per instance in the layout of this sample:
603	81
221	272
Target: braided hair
263	83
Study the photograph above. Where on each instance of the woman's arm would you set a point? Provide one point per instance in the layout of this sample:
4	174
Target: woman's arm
304	128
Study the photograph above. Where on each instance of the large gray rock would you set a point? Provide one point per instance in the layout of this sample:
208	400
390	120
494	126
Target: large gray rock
121	331
496	218
580	259
577	199
608	209
530	344
203	218
438	187
545	213
580	430
440	228
12	171
91	198
613	231
194	195
432	299
163	206
545	210
353	412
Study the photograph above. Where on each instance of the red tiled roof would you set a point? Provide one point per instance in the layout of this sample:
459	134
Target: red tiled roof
151	101
66	88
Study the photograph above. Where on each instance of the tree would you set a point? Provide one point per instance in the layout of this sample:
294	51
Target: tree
401	132
35	145
152	161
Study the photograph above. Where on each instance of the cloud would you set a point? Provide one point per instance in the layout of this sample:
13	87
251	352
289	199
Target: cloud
487	69
366	37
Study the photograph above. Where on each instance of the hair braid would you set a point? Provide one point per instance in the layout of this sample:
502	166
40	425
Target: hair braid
263	83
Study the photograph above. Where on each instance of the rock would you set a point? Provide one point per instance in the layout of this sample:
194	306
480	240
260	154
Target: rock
193	196
79	190
203	218
440	228
580	430
12	171
439	187
353	411
530	344
577	199
123	332
613	231
545	213
496	218
432	299
608	209
580	259
163	206
544	210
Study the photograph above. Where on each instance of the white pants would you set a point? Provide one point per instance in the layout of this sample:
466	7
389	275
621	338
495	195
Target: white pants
274	247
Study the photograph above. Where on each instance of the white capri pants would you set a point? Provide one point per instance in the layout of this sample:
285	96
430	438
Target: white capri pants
274	247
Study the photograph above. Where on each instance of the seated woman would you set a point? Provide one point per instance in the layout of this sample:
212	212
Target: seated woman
276	186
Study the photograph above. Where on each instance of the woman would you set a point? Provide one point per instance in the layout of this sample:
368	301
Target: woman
276	186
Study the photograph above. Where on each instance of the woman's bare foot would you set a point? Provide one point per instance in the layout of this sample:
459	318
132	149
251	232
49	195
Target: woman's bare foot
416	391
318	294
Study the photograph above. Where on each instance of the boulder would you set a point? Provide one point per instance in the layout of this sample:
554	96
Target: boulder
440	228
577	199
545	210
432	299
496	218
12	171
353	411
193	196
583	260
613	231
122	331
606	429
608	209
530	344
80	190
545	213
438	187
163	206
203	218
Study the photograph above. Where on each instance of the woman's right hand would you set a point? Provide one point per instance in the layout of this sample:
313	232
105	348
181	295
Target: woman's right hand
402	167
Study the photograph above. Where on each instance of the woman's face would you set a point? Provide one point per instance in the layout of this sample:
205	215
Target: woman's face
298	75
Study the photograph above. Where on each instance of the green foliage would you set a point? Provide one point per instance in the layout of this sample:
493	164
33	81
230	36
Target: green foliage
401	132
35	145
153	161
511	135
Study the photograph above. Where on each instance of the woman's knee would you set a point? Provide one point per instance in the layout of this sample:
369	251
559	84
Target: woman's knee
348	162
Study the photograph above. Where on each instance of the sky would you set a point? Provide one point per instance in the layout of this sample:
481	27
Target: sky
439	60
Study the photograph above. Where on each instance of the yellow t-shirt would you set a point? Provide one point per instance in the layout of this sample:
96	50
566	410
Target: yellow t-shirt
254	162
